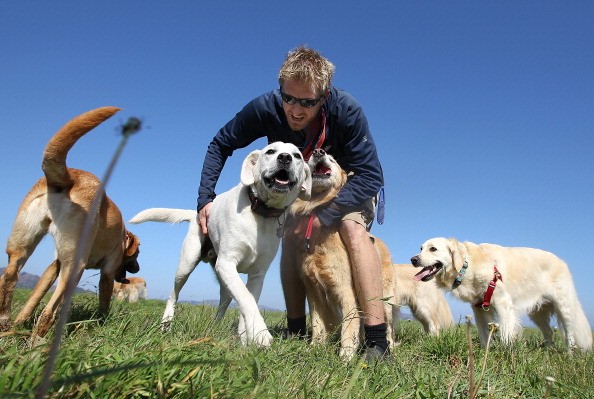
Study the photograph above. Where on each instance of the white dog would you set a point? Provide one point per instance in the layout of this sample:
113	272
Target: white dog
510	281
245	227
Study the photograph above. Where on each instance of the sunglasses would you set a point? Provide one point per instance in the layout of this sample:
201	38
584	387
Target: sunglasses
304	102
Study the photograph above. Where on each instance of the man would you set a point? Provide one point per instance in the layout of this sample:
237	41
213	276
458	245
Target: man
308	112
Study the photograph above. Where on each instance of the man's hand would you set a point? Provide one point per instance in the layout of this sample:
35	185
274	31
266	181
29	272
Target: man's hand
203	218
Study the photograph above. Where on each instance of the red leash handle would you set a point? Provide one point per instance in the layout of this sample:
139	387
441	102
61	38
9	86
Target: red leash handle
308	247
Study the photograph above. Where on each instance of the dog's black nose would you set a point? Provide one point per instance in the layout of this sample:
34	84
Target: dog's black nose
414	260
318	152
284	158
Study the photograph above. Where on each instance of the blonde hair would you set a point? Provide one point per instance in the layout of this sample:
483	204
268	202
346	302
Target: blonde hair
308	66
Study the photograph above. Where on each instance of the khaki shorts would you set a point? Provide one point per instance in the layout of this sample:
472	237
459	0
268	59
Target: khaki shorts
363	216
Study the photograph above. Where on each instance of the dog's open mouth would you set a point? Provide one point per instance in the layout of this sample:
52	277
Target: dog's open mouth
428	272
280	181
322	170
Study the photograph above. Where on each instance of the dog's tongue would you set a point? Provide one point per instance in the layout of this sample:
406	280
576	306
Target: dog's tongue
423	273
322	169
282	182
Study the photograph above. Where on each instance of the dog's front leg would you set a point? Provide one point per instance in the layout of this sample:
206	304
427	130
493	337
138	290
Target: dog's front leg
105	292
350	329
482	319
253	330
509	323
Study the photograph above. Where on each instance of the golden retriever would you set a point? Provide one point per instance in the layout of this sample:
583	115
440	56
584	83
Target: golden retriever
326	271
507	282
130	289
426	302
59	204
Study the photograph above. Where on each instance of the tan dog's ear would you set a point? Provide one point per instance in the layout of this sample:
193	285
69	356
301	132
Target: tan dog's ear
305	193
457	258
248	167
132	244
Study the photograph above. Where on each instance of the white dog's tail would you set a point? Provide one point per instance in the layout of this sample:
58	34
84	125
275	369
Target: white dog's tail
164	215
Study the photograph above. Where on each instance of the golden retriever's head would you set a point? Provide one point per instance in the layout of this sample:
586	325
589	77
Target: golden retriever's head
129	258
327	178
326	173
438	257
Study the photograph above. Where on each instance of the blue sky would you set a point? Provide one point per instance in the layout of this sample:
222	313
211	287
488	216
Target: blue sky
483	113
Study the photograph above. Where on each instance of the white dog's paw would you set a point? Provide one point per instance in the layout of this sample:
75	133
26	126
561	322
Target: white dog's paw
256	336
263	338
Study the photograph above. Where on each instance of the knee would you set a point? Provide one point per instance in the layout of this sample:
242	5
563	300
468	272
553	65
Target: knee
351	229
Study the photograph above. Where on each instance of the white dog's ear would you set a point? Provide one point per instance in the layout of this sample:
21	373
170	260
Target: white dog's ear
247	169
457	257
305	193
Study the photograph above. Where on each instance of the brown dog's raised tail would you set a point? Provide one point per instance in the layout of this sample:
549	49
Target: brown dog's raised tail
56	150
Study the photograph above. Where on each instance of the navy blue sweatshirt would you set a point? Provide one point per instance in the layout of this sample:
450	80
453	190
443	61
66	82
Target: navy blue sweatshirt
348	140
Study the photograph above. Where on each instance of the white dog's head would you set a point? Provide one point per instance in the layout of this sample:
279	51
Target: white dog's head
438	257
278	174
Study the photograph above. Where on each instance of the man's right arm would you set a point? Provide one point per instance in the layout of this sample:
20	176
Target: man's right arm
239	132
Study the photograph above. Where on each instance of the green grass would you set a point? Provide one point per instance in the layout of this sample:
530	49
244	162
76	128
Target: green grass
127	356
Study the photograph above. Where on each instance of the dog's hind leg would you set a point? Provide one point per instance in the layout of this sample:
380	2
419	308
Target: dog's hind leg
48	315
45	282
189	258
542	319
571	318
23	240
225	299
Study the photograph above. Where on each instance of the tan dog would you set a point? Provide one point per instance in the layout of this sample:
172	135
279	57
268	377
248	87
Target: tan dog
59	204
426	302
130	289
326	271
509	281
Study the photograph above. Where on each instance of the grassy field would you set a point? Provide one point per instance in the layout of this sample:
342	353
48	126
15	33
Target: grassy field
127	356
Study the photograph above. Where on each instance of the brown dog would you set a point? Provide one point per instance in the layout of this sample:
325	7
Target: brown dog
326	270
59	204
130	289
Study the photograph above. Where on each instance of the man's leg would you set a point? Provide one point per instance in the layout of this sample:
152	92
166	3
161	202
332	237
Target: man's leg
367	276
293	288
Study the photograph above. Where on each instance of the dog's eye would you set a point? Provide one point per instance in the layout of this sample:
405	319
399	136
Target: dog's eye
432	249
270	152
297	155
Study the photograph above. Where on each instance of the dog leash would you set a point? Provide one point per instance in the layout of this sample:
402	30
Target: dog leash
308	231
486	303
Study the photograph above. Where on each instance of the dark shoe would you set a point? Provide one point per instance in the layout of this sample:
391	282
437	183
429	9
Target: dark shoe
375	353
286	334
